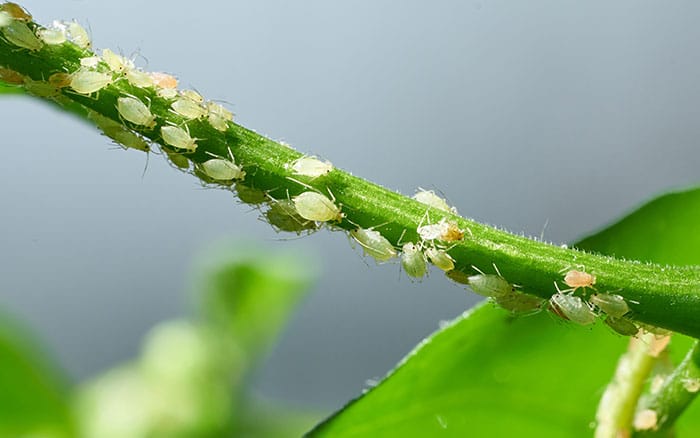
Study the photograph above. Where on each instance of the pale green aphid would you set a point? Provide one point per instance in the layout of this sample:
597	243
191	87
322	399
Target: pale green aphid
193	96
5	19
178	160
413	260
222	170
165	93
218	116
52	36
217	122
572	308
90	61
428	197
88	82
116	63
19	34
440	259
16	11
691	384
138	78
79	35
613	305
250	195
623	326
129	140
490	285
136	112
316	207
374	244
188	109
40	88
283	216
519	303
178	138
311	167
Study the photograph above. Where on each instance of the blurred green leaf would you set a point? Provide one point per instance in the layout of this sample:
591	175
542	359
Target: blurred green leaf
6	88
33	393
487	374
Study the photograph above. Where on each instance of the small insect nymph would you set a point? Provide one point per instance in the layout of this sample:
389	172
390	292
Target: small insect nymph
136	112
440	259
90	61
283	216
691	384
5	19
116	63
311	167
52	36
447	231
218	116
193	96
222	170
623	326
60	80
78	35
490	285
250	195
413	260
374	244
188	109
164	80
19	34
520	303
40	88
178	138
88	82
428	197
578	279
138	78
572	308
613	305
15	11
646	419
317	207
11	77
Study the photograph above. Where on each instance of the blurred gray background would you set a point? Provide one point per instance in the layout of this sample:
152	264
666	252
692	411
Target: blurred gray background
524	114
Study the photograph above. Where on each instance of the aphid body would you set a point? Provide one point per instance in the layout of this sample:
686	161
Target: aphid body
413	260
136	112
444	230
250	195
19	34
645	419
623	326
40	88
374	244
178	137
572	308
691	384
90	61
222	170
428	197
165	93
180	161
138	78
52	36
440	259
490	285
193	96
519	303
60	80
79	35
164	80
283	216
218	116
11	77
317	207
88	82
311	167
116	63
613	305
15	11
578	279
5	19
188	109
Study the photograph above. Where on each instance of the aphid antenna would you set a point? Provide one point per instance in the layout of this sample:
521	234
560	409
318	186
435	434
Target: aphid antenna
496	269
565	291
478	270
302	184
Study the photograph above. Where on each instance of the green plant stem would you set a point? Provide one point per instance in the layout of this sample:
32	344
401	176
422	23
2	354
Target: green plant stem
677	392
619	401
663	296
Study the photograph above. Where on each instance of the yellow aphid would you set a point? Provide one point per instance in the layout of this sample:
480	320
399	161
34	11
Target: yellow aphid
52	36
193	96
311	167
164	80
136	112
10	76
15	11
5	19
646	419
116	63
90	61
178	138
60	80
316	207
19	34
440	258
138	78
188	109
428	197
88	82
222	170
374	244
577	279
79	35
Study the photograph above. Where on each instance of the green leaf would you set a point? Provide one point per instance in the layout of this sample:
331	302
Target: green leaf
6	88
487	374
33	394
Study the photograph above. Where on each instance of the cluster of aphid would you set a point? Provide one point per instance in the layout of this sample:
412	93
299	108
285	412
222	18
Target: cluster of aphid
137	120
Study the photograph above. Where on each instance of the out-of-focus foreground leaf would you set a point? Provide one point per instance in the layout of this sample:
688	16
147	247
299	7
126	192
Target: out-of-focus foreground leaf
33	393
6	88
487	374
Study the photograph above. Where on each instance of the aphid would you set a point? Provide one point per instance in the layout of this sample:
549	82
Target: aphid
88	82
645	419
217	122
129	140
19	34
222	170
178	160
413	260
283	216
428	197
374	244
193	96
116	63
90	61
11	77
79	35
311	167
136	112
188	109
250	195
623	326
519	303
164	80
458	276
40	88
613	305
138	78
60	80
691	384
578	279
490	285
218	116
317	207
572	308
165	93
443	230
5	19
15	11
178	137
52	36
440	258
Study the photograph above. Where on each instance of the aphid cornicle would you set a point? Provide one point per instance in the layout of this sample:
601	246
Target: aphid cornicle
136	112
413	260
178	138
374	244
88	82
19	34
613	305
572	308
317	207
440	259
222	170
311	167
